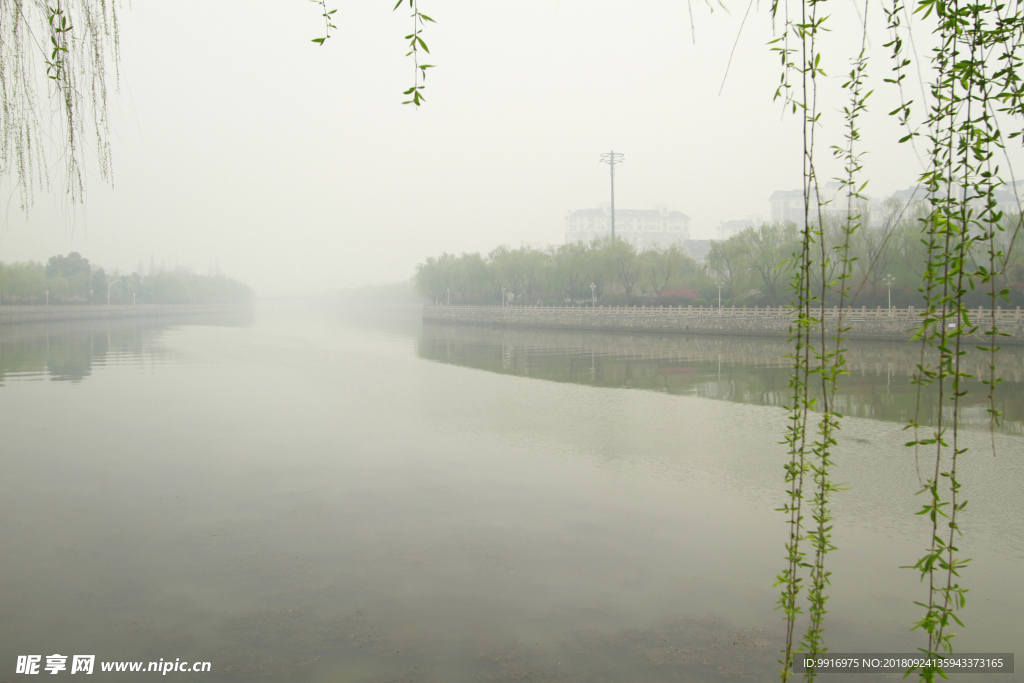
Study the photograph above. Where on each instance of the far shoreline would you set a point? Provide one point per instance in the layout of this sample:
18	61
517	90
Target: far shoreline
15	314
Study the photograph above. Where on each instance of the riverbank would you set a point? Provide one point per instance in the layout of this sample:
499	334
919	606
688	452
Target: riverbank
865	324
10	315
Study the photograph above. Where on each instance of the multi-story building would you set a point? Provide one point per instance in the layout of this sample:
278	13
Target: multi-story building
643	228
727	229
788	206
1009	197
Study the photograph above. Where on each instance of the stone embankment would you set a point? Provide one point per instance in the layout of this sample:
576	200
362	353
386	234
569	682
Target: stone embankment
43	314
865	324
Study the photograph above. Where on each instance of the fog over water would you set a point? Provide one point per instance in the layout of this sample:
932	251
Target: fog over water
305	496
311	492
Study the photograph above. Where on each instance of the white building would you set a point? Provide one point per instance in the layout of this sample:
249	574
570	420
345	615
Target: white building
1009	197
788	206
643	228
727	229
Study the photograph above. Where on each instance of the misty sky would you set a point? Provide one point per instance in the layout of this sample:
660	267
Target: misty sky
297	167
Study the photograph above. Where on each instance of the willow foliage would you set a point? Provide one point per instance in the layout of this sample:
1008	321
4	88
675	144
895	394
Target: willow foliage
59	62
55	59
965	248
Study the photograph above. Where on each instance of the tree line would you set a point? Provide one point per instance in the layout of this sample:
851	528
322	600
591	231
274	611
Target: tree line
72	280
751	268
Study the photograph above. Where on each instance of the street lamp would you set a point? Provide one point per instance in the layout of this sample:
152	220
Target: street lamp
888	280
503	296
448	292
47	297
593	300
719	283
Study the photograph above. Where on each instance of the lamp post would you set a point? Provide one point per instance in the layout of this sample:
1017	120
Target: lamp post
719	283
503	296
448	293
47	297
593	299
90	296
888	280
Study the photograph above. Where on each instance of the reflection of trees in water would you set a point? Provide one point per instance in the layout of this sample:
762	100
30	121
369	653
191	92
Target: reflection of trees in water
68	351
740	369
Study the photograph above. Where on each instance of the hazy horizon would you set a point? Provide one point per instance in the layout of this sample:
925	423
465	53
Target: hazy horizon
296	167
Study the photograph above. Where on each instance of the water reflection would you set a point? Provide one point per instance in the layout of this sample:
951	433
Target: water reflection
304	500
70	351
739	369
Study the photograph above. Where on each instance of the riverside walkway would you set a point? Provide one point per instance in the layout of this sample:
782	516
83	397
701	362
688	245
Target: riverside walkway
880	324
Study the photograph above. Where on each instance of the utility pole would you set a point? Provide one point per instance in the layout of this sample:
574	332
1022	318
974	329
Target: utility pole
612	158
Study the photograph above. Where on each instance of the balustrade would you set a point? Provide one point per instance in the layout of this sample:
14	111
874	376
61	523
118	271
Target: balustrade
979	315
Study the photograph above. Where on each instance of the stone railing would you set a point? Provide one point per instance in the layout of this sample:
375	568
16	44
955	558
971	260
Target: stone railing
880	324
851	313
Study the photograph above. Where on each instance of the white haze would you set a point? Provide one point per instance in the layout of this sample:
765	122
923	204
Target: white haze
296	167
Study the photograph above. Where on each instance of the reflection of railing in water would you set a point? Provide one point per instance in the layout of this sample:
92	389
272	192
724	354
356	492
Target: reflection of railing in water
979	315
735	369
863	358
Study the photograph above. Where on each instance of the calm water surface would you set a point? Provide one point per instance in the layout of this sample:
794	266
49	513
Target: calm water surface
304	496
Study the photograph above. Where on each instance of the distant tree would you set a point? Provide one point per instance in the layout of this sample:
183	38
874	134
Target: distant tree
569	270
98	285
70	266
663	266
510	269
68	277
727	262
471	277
765	249
625	263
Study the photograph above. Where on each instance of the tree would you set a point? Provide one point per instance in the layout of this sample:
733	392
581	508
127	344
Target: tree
510	270
98	285
570	270
22	282
727	262
471	276
662	265
69	276
434	278
70	266
767	247
624	262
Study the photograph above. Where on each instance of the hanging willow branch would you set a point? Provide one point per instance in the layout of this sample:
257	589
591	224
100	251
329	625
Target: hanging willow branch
809	453
963	224
975	67
416	44
75	44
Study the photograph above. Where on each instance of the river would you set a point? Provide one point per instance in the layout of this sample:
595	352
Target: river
309	495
